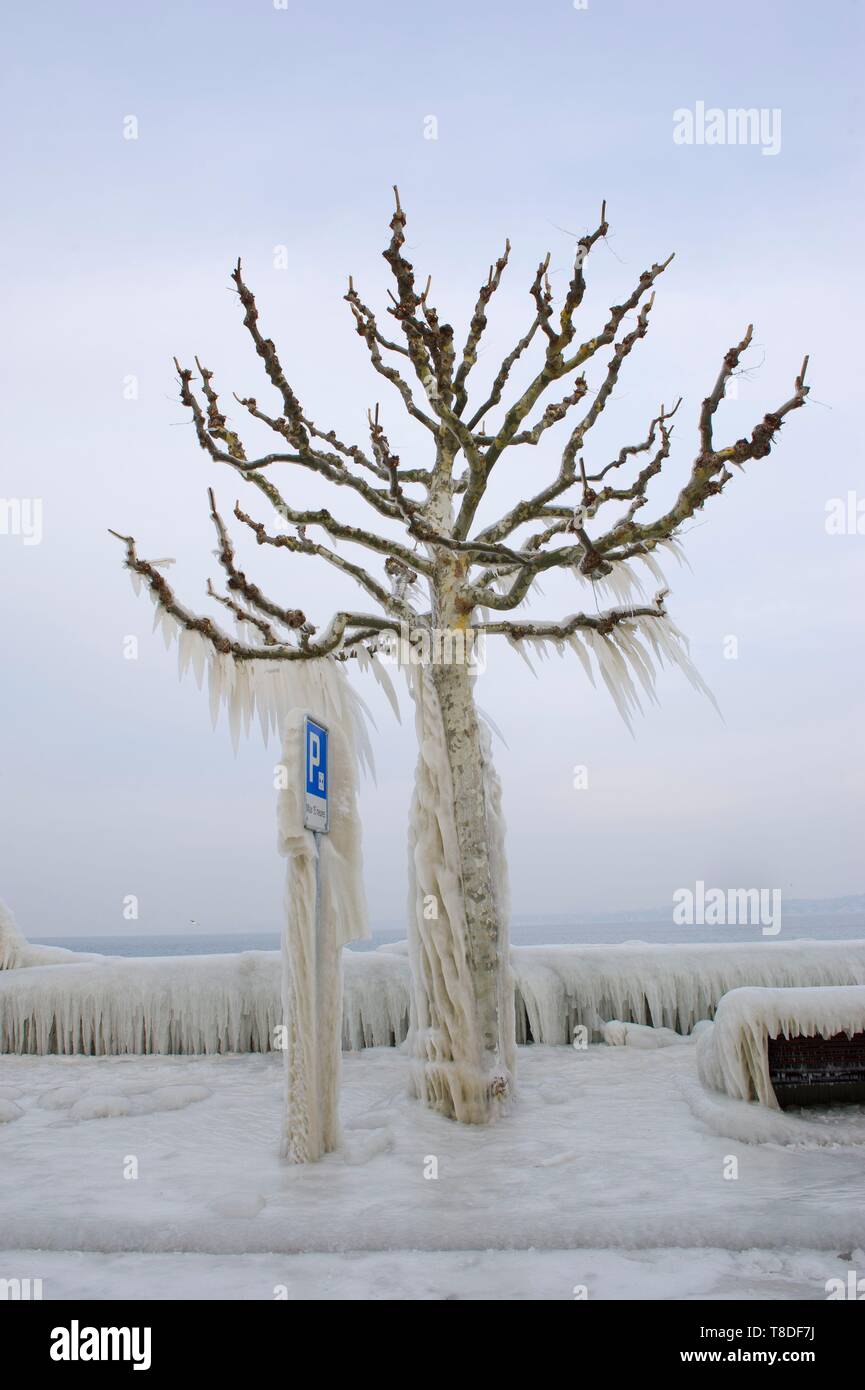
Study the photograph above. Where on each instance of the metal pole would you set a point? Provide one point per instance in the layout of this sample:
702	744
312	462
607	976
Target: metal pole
319	983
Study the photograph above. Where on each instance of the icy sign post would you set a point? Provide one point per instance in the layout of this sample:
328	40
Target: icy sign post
315	774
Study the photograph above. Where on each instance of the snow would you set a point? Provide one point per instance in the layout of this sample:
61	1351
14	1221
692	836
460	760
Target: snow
733	1054
232	1003
210	1176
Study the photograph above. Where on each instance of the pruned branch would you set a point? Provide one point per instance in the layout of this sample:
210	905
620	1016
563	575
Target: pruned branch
602	623
709	475
476	329
331	639
237	581
302	545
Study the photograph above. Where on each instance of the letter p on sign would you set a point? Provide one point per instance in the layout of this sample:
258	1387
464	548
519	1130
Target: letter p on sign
315	807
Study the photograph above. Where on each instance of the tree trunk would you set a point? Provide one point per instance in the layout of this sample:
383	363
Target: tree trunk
462	1033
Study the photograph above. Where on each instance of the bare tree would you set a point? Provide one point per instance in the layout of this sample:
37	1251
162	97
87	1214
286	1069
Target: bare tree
445	574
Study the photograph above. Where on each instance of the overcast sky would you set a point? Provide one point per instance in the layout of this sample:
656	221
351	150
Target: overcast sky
261	127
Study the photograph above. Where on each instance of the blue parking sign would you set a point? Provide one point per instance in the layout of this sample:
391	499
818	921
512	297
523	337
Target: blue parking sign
315	813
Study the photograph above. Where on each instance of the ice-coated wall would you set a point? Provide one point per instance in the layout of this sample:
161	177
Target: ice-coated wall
231	1003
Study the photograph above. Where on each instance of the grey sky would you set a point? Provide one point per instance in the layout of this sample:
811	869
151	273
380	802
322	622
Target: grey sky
261	127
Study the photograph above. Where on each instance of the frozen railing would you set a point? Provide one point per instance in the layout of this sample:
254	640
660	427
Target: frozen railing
231	1003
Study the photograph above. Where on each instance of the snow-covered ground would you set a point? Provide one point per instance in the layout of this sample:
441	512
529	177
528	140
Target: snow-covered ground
612	1157
439	1274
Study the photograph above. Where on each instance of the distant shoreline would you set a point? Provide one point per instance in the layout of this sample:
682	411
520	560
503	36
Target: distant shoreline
840	926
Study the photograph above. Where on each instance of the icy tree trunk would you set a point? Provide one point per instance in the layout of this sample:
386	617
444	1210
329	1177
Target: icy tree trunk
462	1035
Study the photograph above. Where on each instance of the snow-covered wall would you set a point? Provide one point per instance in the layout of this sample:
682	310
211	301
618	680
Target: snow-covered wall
733	1055
231	1003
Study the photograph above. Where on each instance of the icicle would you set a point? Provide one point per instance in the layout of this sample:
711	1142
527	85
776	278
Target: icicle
170	627
638	659
488	719
517	645
672	643
234	712
618	662
386	684
653	567
675	550
577	646
621	583
262	704
215	689
231	1003
185	645
199	657
610	676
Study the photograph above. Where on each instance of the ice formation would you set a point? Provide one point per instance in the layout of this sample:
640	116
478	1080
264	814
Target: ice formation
263	691
451	1068
641	1035
669	986
312	953
11	940
279	694
232	1003
17	953
732	1056
629	655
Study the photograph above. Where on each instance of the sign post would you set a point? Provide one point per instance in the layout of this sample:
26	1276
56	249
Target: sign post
317	819
324	910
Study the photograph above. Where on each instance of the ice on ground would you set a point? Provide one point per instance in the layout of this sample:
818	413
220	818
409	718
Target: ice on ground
733	1055
231	1003
623	1160
752	1123
239	1206
100	1107
359	1146
102	1102
436	1275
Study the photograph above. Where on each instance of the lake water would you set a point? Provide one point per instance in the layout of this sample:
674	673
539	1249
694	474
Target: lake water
835	926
